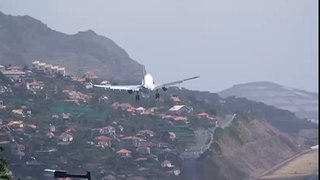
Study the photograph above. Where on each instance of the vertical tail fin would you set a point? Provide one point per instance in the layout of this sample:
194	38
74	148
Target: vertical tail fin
144	74
144	71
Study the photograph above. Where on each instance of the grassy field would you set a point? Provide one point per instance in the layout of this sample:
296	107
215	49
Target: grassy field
298	168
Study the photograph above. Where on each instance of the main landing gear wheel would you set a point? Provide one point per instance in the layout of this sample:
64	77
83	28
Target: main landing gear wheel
137	97
157	95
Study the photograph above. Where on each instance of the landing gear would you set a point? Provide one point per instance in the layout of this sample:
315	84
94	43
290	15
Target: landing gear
157	95
137	97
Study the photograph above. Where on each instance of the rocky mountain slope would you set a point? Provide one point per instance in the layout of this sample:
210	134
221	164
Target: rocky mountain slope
24	39
304	104
245	149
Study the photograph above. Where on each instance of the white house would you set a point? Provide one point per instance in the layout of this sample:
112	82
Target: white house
172	136
65	138
140	110
166	163
108	130
52	128
180	109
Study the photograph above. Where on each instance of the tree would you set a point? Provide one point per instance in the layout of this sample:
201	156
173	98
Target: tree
25	67
59	76
4	79
3	166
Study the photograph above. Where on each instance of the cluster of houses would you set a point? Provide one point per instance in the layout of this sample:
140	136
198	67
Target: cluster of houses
34	86
76	96
18	74
22	111
48	68
12	128
63	138
5	89
141	147
178	112
88	76
133	110
15	73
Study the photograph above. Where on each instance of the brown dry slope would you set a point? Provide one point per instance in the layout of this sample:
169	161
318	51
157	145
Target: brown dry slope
246	149
298	168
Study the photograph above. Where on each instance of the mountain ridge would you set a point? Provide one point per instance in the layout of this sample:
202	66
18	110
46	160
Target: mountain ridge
303	103
24	39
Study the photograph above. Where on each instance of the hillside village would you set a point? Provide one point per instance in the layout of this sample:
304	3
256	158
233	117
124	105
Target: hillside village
46	116
52	118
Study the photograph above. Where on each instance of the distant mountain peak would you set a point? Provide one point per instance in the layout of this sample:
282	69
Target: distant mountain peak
304	104
259	83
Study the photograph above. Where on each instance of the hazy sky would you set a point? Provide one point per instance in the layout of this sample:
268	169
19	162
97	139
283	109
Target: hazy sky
226	42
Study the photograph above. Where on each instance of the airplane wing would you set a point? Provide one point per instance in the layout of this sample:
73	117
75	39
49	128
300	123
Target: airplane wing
119	87
165	85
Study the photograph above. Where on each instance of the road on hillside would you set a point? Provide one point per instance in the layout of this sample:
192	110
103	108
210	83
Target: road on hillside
204	139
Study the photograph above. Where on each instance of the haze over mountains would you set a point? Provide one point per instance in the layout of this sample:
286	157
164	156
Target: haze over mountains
251	144
24	39
304	104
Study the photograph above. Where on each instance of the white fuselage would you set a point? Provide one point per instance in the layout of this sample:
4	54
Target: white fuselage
148	82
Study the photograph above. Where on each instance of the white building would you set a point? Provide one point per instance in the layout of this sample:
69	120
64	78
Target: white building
2	68
52	128
181	109
62	71
48	68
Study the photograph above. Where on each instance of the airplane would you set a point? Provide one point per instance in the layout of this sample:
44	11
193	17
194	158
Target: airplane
147	85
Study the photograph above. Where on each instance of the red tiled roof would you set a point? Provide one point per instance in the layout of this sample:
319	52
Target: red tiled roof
123	151
102	138
32	126
147	144
180	118
11	123
64	134
203	114
50	134
14	68
130	137
4	142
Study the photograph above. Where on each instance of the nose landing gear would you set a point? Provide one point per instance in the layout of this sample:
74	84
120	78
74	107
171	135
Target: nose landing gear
157	95
137	96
